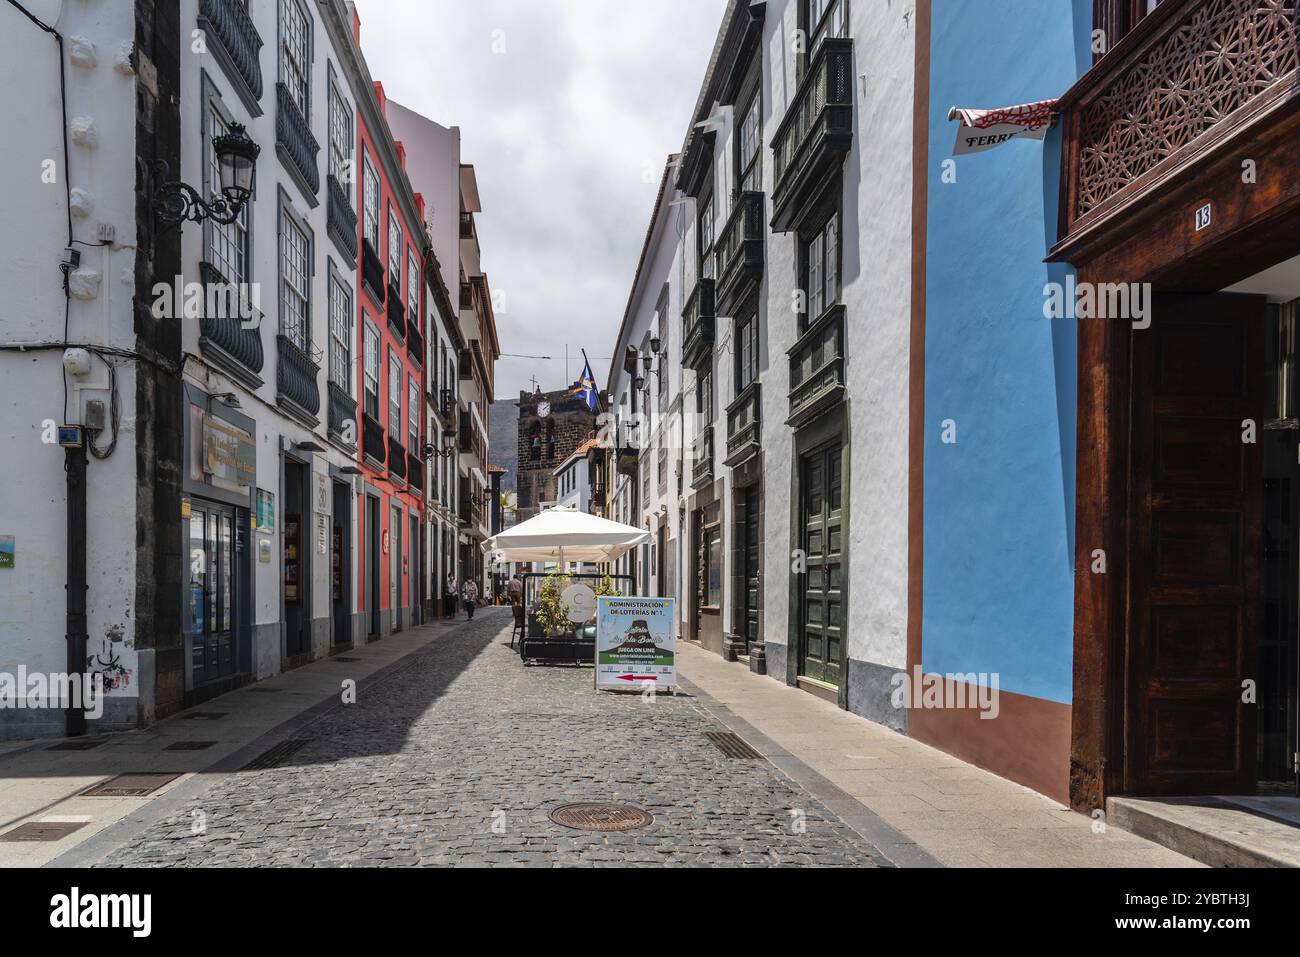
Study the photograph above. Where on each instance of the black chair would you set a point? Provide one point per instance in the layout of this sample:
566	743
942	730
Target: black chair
519	625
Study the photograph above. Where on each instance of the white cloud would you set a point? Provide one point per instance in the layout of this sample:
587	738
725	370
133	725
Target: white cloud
560	127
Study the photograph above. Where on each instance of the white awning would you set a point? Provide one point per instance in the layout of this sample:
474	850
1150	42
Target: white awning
984	129
566	534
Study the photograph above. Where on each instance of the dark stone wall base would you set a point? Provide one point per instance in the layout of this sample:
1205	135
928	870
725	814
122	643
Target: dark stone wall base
870	692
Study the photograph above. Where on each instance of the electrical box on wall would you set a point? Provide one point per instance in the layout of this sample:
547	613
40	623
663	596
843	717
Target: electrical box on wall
70	436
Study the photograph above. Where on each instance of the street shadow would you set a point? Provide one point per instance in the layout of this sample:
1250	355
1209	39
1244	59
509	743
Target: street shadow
376	724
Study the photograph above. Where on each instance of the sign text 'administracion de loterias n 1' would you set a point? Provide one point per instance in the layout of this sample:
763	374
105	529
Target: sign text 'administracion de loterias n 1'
636	643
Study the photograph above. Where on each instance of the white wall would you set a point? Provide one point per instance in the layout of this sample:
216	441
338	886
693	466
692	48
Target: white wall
876	276
274	428
33	494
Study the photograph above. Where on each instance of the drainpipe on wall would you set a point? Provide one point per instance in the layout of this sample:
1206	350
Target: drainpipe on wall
75	469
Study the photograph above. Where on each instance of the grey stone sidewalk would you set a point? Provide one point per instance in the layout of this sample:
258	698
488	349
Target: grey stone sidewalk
458	754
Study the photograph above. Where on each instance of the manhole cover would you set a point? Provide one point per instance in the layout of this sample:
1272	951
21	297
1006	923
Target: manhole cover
601	817
732	745
43	831
130	785
190	746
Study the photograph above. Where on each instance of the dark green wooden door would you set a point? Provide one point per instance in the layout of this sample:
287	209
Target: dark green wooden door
752	547
823	583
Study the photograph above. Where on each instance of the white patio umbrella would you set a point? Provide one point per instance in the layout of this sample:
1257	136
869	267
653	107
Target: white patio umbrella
566	534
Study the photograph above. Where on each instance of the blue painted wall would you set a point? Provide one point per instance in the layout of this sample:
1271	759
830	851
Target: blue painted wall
999	504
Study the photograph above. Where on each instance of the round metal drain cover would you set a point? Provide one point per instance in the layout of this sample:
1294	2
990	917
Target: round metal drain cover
601	817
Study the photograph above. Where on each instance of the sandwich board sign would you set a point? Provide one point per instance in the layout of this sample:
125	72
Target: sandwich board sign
636	644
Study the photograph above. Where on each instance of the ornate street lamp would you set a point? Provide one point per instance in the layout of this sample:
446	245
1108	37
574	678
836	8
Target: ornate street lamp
175	202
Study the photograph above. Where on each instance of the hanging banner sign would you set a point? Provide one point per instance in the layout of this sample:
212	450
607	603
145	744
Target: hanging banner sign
982	130
636	644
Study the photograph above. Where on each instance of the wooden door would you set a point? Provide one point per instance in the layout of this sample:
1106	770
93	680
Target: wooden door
822	516
752	548
1196	545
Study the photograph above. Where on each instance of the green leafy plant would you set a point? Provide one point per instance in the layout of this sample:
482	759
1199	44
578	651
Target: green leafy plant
552	613
606	588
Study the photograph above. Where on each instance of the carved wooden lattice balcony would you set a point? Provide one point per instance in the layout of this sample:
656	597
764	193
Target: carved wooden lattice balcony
1186	80
817	368
744	425
702	459
698	320
816	132
740	251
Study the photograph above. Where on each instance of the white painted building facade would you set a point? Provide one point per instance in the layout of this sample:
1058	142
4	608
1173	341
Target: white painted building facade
741	516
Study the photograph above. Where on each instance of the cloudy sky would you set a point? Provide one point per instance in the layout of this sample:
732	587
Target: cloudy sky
568	110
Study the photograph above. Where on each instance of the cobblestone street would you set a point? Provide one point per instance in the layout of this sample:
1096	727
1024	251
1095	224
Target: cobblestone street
459	737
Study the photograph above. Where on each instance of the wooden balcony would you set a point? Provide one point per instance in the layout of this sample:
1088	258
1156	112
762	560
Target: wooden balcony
740	252
816	133
817	368
702	459
699	318
1193	80
745	426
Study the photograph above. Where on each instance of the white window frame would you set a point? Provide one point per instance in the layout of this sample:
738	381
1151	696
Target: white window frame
370	202
340	134
371	371
396	245
341	317
295	280
395	379
295	54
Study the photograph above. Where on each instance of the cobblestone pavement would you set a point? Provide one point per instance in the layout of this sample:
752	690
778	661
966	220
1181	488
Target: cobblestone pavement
461	736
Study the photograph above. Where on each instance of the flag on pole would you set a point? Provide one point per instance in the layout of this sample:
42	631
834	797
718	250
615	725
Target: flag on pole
585	387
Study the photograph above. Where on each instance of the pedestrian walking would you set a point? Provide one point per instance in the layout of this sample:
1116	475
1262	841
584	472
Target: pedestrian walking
449	599
515	589
470	594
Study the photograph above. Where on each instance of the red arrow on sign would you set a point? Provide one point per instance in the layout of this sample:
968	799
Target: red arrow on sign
635	678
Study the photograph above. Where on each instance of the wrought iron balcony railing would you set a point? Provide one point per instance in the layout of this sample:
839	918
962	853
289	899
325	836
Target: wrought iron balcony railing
816	132
230	334
415	341
342	224
372	272
294	141
415	472
396	459
1192	78
342	415
238	44
817	368
745	425
297	388
739	251
373	444
396	313
702	459
698	320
